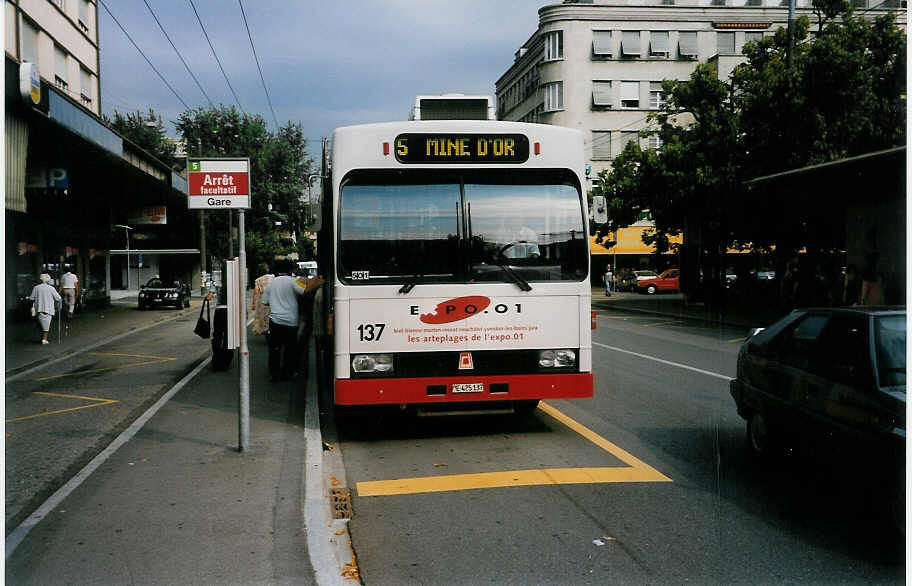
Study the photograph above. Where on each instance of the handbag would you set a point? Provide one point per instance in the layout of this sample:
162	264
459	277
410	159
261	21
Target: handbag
202	328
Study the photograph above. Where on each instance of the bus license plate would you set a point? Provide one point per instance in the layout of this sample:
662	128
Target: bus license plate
468	387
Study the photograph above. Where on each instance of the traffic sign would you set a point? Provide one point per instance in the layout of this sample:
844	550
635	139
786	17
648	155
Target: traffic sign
222	183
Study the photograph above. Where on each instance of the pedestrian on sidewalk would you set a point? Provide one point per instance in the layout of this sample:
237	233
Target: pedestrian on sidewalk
44	299
281	296
260	311
872	288
609	276
69	289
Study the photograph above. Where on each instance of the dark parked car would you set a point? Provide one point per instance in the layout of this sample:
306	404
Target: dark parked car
834	379
158	293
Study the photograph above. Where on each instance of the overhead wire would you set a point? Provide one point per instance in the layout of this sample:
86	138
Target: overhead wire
157	72
214	54
257	59
179	56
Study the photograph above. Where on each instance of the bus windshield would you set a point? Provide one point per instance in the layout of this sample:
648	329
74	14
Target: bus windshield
481	225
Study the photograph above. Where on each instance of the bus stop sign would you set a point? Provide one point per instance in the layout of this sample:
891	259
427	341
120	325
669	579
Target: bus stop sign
218	183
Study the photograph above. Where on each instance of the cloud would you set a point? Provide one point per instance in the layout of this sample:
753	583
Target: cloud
325	64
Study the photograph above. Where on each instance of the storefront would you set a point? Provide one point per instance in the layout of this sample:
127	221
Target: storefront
70	180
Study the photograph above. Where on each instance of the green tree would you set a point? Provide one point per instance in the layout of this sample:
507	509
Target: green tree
147	131
279	168
844	95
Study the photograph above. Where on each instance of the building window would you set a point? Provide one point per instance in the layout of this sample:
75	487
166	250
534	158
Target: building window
654	142
601	145
554	96
656	95
753	37
601	44
85	80
687	44
725	43
60	67
29	43
630	44
627	137
84	15
533	115
658	44
554	46
630	94
601	94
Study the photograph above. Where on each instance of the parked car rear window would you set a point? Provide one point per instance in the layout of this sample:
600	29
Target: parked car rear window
890	338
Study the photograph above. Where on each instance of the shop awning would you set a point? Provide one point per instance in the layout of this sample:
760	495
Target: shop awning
629	241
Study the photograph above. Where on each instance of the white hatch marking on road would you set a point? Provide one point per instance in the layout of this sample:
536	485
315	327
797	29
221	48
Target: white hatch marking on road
668	362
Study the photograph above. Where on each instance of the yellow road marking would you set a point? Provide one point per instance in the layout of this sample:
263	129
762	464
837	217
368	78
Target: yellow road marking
162	358
98	403
155	360
635	471
738	340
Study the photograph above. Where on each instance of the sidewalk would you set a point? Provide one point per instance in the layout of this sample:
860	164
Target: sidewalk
177	503
87	328
674	305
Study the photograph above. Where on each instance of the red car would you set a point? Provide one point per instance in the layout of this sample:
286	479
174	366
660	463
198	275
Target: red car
667	281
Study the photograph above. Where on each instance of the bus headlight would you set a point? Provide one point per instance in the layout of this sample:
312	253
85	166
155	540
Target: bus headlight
556	358
372	363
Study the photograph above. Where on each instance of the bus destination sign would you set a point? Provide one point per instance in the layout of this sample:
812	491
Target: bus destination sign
462	148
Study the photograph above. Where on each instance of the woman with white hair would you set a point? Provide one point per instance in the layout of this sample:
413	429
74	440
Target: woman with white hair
45	299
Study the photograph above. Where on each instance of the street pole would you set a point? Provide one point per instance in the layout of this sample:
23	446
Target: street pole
202	253
127	233
244	403
791	34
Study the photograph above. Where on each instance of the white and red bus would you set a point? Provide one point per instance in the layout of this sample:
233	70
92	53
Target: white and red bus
460	264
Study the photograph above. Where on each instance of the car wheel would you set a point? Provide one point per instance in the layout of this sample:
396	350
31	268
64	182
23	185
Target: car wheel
651	289
187	302
758	435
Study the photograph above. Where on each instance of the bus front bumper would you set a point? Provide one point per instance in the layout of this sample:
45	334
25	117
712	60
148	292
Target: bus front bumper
386	391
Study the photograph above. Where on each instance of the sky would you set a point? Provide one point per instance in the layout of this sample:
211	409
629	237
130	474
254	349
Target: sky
325	63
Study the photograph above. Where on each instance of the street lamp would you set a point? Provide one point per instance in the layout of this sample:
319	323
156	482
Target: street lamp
127	233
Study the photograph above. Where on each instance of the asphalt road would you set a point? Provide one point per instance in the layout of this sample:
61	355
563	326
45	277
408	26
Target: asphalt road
648	482
61	415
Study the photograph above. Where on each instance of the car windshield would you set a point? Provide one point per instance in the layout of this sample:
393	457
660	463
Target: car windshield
890	341
155	283
486	225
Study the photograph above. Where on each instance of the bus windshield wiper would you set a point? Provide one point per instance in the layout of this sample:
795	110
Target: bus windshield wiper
410	284
520	282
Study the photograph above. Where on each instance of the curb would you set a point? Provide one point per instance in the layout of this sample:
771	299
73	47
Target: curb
607	305
328	539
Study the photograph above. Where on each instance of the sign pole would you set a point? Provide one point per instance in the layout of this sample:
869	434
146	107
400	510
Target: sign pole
244	403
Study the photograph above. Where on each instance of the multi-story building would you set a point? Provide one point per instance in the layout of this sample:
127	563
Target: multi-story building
70	178
598	66
61	37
